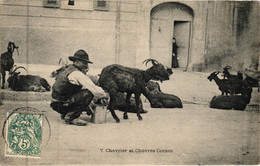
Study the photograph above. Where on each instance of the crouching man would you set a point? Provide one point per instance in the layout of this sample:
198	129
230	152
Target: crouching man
73	91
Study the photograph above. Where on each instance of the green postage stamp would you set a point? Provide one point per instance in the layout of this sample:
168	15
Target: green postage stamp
23	135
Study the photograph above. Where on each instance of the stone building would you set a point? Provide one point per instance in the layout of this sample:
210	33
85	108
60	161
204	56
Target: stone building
210	34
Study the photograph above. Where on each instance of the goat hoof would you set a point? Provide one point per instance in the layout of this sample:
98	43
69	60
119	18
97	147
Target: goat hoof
125	117
140	118
117	120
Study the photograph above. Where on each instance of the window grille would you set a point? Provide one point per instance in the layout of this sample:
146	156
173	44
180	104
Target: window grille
101	5
52	3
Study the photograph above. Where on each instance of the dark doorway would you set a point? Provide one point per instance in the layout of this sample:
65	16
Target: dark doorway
181	32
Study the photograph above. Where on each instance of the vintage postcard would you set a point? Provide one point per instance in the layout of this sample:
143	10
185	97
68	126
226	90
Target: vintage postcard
129	82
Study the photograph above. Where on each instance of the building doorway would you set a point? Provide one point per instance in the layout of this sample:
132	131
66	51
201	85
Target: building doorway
170	20
181	32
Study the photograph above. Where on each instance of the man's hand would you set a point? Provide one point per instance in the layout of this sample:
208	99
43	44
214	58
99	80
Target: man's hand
102	101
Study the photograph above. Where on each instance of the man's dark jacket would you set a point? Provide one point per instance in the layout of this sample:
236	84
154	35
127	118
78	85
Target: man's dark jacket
62	88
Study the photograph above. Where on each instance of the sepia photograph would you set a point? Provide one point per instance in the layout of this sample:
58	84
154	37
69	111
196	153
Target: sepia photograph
129	82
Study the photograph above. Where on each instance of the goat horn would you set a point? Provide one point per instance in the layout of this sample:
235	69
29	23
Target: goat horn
17	50
154	62
14	66
228	67
217	72
60	60
15	47
20	67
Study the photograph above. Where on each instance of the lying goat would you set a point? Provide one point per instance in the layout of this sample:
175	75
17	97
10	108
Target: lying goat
158	99
117	78
7	61
27	82
237	102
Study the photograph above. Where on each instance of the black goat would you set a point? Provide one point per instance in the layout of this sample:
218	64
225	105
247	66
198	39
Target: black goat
252	77
27	82
226	74
229	86
237	102
117	78
120	104
7	61
223	85
158	99
153	87
120	97
55	73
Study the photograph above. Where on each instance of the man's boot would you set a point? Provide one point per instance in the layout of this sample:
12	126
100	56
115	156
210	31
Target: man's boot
76	121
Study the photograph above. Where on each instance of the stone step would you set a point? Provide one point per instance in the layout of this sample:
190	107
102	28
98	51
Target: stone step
7	94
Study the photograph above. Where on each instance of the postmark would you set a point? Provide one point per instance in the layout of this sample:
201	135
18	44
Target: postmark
24	132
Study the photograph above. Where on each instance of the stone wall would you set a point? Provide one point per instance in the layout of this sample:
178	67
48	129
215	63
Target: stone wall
48	34
232	35
221	32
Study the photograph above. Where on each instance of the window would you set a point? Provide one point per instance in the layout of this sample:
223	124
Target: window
51	3
71	2
101	5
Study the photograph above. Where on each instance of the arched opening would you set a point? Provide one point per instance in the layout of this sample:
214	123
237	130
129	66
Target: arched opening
171	20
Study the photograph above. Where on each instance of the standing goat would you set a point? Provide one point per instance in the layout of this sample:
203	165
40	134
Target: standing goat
223	85
229	86
252	77
117	78
27	82
226	74
7	61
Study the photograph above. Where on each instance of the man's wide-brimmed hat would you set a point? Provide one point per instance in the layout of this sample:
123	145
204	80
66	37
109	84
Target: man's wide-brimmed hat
80	55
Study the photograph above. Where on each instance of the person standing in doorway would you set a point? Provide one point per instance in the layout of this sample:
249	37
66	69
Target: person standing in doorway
175	63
